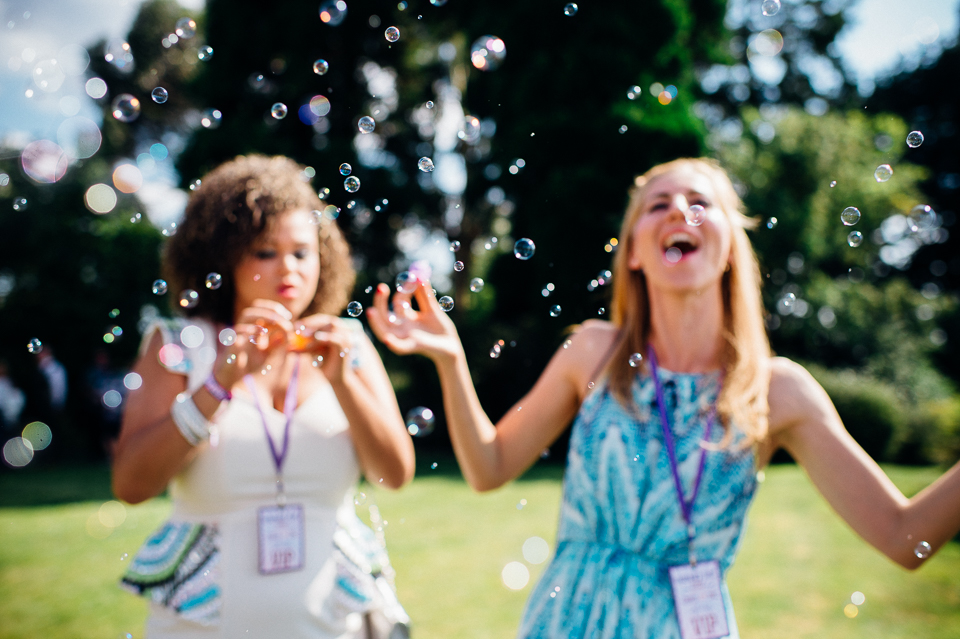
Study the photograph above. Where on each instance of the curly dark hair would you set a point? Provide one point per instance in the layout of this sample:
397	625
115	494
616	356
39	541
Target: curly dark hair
233	206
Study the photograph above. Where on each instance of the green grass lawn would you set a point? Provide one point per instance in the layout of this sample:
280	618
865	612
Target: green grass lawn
59	564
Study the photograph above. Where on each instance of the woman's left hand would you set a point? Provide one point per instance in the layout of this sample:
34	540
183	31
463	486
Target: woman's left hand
328	337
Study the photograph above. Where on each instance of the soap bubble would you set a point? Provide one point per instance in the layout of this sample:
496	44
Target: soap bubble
44	161
850	216
360	499
495	351
319	105
354	309
515	575
634	92
100	198
455	246
117	52
38	434
186	28
695	215
352	184
476	285
333	12
425	165
278	111
213	281
524	248
770	7
922	550
205	53
786	303
833	184
555	310
227	337
34	346
635	359
406	282
772	223
914	139
125	107
487	52
469	130
623	129
366	124
420	421
458	266
768	42
883	173
188	298
210	119
922	218
446	303
18	452
345	169
159	287
673	255
571	9
855	239
321	66
159	95
536	550
429	104
20	204
858	598
392	34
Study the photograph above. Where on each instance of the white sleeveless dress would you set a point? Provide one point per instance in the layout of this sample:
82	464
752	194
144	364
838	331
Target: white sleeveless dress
212	587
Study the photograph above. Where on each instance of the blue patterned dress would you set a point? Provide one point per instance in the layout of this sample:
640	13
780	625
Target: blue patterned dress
620	522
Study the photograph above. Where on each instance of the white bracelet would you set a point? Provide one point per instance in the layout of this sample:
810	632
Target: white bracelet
191	423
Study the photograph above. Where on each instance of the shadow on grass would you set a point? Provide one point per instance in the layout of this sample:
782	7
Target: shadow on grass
444	464
48	485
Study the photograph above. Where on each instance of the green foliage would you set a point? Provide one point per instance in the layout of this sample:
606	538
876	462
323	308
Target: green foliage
868	407
851	313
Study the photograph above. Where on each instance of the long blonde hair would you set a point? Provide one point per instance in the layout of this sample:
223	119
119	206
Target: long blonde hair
745	352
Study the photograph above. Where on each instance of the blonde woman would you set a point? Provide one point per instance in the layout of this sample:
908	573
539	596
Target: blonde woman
676	403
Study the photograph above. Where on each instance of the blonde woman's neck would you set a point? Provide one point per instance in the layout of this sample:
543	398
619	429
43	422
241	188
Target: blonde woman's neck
686	329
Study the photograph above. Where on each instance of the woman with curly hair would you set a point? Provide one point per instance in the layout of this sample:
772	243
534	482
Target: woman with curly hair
676	404
260	409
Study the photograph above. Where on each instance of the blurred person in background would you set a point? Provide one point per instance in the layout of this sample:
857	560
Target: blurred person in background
260	410
12	400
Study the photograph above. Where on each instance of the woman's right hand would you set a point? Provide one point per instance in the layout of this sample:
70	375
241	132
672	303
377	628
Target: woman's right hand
427	331
261	328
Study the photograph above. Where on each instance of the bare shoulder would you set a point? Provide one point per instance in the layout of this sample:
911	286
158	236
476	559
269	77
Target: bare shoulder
583	357
592	339
794	395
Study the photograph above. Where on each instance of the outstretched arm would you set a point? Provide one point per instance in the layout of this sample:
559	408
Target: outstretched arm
804	421
489	455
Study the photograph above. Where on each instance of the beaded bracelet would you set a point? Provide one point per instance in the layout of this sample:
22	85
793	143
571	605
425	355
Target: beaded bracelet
213	387
191	423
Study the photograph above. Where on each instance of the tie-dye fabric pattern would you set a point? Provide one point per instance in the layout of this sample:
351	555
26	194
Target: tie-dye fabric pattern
621	527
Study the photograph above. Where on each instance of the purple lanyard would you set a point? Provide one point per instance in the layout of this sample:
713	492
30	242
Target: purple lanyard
289	406
686	506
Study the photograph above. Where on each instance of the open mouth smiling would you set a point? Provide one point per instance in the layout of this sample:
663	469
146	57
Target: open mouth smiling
679	242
